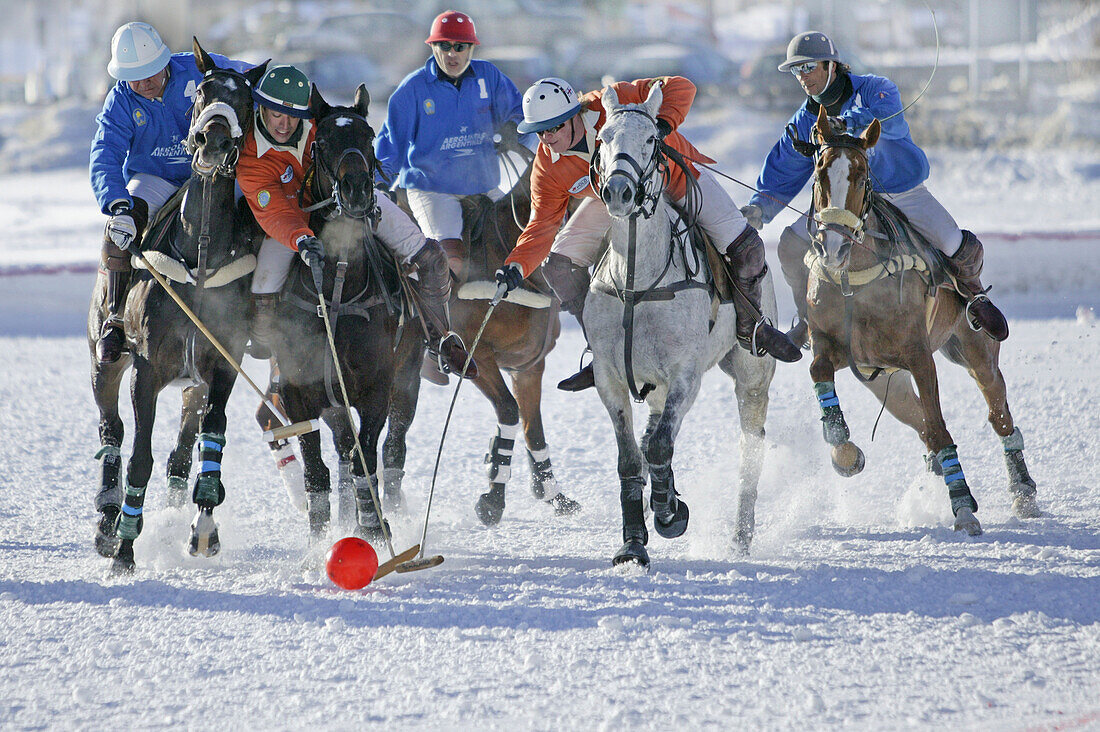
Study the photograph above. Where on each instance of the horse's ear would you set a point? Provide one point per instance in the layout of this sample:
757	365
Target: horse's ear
362	100
653	101
318	107
256	73
822	126
870	135
202	58
610	98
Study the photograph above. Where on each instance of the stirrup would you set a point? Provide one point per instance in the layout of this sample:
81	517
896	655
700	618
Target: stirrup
978	297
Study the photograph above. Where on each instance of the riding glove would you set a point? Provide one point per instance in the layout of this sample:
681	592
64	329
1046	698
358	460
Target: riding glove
311	250
509	136
121	228
664	128
510	275
754	215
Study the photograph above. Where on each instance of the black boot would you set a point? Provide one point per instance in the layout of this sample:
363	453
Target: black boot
112	337
966	266
435	291
745	259
262	326
570	283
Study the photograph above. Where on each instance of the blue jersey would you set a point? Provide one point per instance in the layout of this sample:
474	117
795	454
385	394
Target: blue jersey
897	164
439	137
139	135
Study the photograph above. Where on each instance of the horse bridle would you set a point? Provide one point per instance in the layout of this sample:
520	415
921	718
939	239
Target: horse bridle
832	218
335	199
227	167
645	202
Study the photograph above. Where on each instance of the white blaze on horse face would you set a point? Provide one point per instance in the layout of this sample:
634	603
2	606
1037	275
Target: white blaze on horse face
838	174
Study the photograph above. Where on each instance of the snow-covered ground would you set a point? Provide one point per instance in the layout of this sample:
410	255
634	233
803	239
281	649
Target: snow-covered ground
858	607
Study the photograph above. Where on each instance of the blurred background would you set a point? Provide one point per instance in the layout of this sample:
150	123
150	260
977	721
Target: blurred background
1031	67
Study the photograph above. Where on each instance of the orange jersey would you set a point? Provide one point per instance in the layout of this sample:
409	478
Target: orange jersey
557	178
270	182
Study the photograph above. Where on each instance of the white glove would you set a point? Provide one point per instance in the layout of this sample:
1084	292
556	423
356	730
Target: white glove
121	230
754	215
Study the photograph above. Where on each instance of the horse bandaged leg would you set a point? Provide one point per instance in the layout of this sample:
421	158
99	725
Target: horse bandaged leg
545	487
962	501
490	505
1020	483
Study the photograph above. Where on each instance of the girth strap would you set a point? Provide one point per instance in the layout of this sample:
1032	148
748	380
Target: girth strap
887	267
333	316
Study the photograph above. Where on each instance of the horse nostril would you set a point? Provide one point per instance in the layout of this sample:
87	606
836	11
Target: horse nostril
200	138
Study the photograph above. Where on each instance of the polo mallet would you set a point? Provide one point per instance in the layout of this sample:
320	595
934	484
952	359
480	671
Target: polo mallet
395	559
287	430
423	562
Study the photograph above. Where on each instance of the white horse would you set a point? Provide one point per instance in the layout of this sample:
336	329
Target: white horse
648	318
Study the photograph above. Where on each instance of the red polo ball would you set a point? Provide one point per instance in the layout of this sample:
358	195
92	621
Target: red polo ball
351	563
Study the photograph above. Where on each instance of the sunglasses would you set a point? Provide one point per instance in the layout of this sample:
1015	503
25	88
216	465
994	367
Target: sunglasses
552	130
805	68
445	46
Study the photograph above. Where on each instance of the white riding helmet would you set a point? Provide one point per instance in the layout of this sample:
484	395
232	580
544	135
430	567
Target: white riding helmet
548	103
137	52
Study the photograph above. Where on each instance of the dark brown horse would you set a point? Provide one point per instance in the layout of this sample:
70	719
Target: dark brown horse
516	340
875	306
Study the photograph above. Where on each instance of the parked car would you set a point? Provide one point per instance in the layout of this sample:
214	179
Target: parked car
524	65
393	42
704	65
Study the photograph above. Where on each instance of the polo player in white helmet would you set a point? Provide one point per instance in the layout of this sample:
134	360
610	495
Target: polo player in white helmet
137	159
567	126
898	171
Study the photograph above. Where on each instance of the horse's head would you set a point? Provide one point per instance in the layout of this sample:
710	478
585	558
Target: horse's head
842	186
221	115
343	155
628	160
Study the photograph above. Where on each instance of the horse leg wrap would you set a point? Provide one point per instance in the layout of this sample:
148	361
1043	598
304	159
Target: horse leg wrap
833	427
1020	481
111	462
670	514
630	499
209	491
543	483
319	511
130	523
499	457
364	502
953	476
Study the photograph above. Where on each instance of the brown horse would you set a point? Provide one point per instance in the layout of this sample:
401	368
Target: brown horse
867	310
517	339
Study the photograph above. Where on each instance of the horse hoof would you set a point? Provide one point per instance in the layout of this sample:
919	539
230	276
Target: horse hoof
489	508
204	535
393	501
742	541
106	538
564	505
848	460
677	523
965	520
372	534
177	491
124	560
1025	507
632	552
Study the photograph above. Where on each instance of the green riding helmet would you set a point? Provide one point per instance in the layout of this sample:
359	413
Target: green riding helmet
284	89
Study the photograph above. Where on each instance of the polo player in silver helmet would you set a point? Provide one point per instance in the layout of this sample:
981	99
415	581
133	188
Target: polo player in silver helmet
898	171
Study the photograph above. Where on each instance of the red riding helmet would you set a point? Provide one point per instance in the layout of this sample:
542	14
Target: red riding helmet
453	26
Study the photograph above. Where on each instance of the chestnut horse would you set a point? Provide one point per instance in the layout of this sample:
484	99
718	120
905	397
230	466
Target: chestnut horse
875	306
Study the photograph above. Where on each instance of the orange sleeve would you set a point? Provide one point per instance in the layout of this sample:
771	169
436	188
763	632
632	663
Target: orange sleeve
274	203
549	202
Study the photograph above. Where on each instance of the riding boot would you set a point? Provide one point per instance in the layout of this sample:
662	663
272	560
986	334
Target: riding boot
455	249
745	260
112	336
435	291
966	266
792	250
262	325
570	283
